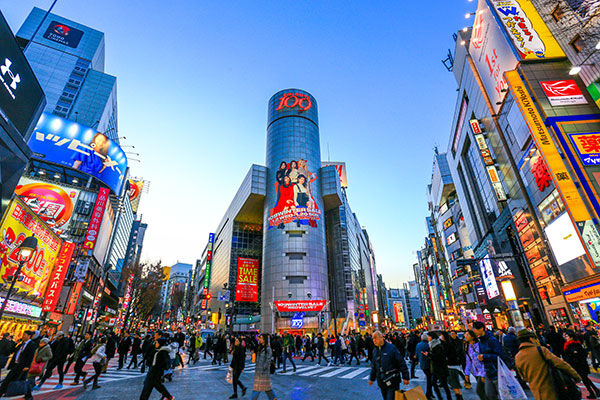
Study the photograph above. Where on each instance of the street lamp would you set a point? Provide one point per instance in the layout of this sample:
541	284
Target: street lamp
27	248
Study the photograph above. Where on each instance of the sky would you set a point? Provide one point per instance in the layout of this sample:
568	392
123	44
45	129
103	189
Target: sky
194	79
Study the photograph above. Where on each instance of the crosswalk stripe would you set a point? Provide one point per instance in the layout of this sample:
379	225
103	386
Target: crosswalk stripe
352	374
322	369
336	372
300	369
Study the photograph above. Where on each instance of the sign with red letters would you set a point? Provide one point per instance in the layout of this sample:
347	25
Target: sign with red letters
58	276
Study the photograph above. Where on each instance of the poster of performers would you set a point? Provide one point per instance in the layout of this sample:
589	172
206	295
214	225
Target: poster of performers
294	196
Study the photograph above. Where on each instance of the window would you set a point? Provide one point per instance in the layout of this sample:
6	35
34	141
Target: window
577	44
295	256
557	13
296	280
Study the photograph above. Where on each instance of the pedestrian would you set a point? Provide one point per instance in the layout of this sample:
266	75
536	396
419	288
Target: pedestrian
208	346
179	338
192	348
277	349
288	348
576	356
387	367
158	364
321	349
82	353
262	372
238	363
42	355
354	351
510	344
111	345
337	351
422	354
474	366
533	368
7	347
61	347
592	344
220	349
489	351
123	349
369	346
298	343
308	349
147	346
438	364
411	347
455	354
21	362
98	360
136	348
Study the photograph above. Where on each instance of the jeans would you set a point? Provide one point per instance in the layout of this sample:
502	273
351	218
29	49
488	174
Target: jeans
97	371
153	383
59	367
79	369
389	392
236	381
491	389
287	355
480	388
270	394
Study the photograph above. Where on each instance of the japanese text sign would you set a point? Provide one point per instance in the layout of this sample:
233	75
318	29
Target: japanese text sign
94	225
301	305
58	276
246	288
587	146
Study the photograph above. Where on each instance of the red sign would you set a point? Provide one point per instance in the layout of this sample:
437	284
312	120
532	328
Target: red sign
563	93
541	174
291	100
301	305
246	288
72	304
58	276
94	226
475	126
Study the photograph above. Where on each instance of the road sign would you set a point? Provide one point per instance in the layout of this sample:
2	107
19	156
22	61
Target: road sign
361	315
361	307
362	323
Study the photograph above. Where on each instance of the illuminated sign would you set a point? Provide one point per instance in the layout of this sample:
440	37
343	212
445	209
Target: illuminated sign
448	223
246	288
587	146
135	193
563	93
58	276
300	305
291	100
17	307
475	127
398	313
63	34
489	279
81	270
298	320
443	208
540	173
545	144
582	293
526	29
496	184
564	240
95	221
73	298
207	270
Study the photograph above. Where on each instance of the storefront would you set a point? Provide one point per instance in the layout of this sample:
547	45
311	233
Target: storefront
584	300
19	317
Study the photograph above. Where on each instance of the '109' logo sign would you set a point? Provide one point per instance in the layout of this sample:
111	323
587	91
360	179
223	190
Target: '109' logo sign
291	100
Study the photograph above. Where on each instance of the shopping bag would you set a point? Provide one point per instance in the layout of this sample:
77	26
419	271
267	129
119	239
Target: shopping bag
415	393
229	377
17	388
509	387
253	357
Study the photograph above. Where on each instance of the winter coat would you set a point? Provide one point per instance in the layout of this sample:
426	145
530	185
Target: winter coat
160	362
98	354
474	366
455	351
490	348
437	358
136	347
7	347
262	372
42	355
422	347
61	348
576	356
124	345
533	369
238	359
111	346
511	345
385	359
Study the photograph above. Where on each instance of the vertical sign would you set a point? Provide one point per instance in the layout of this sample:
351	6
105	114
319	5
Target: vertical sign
246	288
58	276
72	304
94	226
207	270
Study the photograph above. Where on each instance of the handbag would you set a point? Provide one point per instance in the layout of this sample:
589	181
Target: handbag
390	377
36	368
565	386
229	376
415	393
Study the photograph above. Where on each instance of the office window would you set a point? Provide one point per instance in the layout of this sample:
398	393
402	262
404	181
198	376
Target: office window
557	13
577	44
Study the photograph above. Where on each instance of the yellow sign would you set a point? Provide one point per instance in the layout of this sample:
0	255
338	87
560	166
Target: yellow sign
526	29
546	146
582	293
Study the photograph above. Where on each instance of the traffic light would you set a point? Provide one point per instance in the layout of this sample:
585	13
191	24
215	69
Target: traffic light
208	296
322	318
80	314
250	318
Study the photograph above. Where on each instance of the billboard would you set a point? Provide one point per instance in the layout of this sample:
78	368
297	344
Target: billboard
491	53
587	146
54	204
80	147
21	96
58	276
63	34
489	279
398	313
300	305
340	167
246	288
135	193
564	240
526	29
94	226
563	92
295	202
18	223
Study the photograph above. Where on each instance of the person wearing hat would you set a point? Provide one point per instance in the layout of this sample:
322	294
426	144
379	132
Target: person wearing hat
160	362
19	365
533	369
61	347
41	357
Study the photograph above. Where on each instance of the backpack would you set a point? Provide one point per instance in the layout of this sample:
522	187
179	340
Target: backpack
565	386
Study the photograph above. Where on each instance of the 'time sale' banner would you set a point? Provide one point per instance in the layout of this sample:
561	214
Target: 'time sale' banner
246	288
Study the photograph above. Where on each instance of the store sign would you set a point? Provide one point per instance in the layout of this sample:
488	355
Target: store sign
526	29
246	288
496	184
548	149
587	146
63	34
18	223
540	173
17	307
291	100
475	126
74	298
21	96
298	320
582	293
80	147
451	239
135	193
563	93
491	53
300	305
448	223
207	270
591	238
489	279
58	276
94	225
484	149
340	167
52	203
81	270
443	208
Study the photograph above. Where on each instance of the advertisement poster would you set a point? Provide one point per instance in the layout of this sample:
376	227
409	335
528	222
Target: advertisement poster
54	204
77	146
295	201
489	279
398	313
587	146
246	288
58	276
135	193
63	34
18	223
94	226
563	93
340	167
300	305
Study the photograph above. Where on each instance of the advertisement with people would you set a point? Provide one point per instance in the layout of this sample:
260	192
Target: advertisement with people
54	204
18	223
294	202
77	146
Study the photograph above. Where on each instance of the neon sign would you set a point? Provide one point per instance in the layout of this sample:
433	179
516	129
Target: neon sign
299	100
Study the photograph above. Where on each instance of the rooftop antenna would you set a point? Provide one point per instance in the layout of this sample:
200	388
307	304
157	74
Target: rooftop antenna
328	154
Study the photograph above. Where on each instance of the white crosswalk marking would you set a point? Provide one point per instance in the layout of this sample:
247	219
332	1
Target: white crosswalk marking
317	371
300	369
336	372
354	373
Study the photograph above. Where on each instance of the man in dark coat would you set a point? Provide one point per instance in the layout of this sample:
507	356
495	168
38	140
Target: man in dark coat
82	353
136	348
123	349
147	346
179	337
158	362
411	347
208	345
386	360
21	362
489	351
7	347
61	347
111	346
592	344
321	349
369	346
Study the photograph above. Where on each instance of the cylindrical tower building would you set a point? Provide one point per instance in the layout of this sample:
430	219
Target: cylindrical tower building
294	248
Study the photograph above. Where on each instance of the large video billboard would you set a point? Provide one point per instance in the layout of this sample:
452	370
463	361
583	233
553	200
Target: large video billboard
52	203
77	146
18	223
246	288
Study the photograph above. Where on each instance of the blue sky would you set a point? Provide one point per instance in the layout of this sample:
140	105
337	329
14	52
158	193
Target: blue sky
194	79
